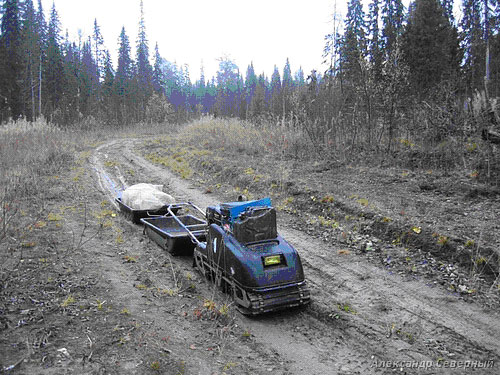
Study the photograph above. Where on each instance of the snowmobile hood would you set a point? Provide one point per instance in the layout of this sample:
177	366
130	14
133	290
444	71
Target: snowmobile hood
264	264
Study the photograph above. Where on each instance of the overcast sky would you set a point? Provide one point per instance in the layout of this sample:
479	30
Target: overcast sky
191	31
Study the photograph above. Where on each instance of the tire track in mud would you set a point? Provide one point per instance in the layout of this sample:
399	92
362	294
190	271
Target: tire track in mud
266	332
471	319
360	313
108	186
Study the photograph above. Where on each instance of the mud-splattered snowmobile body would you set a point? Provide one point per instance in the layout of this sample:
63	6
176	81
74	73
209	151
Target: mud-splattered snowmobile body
245	256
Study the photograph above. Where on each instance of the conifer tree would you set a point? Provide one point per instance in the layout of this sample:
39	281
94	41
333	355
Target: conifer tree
202	76
107	89
287	87
276	93
123	80
54	81
299	79
258	106
172	85
10	61
70	105
98	49
144	70
157	79
353	43
210	95
89	81
41	29
186	88
199	91
430	46
374	44
31	56
250	87
41	24
473	44
393	22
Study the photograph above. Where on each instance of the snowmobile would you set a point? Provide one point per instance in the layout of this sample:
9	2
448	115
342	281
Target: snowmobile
236	245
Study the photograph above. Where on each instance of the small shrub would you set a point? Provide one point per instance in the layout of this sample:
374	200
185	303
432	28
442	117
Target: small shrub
68	301
442	240
155	365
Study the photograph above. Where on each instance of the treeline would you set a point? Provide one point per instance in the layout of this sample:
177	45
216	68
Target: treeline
413	86
397	78
44	74
67	82
403	76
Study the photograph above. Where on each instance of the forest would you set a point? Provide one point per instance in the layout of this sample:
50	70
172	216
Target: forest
415	86
383	168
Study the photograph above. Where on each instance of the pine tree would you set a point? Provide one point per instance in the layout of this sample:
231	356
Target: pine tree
202	76
430	47
392	19
276	93
172	86
199	92
98	57
287	88
53	89
31	57
107	89
123	80
70	105
187	88
157	79
210	96
41	30
473	44
89	81
250	87
11	102
299	79
144	70
353	43
258	106
374	45
98	49
41	24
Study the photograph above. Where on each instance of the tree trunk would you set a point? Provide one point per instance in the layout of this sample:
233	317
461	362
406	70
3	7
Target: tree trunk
40	88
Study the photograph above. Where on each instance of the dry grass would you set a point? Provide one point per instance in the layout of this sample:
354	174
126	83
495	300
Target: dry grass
30	154
231	134
283	139
33	156
419	145
30	148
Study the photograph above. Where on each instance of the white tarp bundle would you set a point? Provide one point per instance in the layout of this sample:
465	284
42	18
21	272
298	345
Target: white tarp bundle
146	197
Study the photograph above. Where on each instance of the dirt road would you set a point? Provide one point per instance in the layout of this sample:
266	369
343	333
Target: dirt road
364	319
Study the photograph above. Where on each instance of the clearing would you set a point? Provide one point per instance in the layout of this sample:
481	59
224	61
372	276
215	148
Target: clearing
401	265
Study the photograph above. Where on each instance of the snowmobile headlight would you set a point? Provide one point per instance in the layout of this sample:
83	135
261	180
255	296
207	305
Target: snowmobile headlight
272	260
